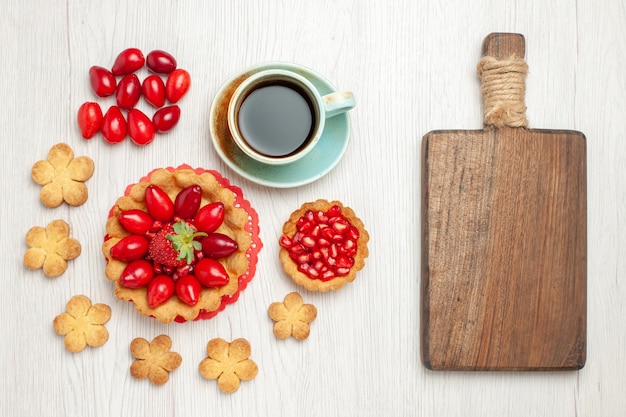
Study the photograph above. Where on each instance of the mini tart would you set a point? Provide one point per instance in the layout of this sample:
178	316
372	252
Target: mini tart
318	259
240	223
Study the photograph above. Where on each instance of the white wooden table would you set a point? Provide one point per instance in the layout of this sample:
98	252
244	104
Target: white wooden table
411	66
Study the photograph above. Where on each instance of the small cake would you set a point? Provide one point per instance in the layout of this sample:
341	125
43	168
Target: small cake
181	244
323	245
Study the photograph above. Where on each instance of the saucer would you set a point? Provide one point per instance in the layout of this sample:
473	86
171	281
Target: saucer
317	163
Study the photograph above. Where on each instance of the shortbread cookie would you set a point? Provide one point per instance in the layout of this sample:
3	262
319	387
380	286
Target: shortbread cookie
229	363
82	323
50	248
323	245
63	177
153	360
181	244
292	317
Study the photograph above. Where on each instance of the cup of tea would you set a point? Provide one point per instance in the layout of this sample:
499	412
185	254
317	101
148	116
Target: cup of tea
276	116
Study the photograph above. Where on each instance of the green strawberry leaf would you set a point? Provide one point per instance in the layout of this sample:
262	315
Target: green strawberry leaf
183	240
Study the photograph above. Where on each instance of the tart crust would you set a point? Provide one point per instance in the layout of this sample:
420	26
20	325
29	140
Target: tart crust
240	224
291	267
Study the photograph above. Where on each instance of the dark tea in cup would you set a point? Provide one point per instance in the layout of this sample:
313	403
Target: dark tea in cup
276	119
277	116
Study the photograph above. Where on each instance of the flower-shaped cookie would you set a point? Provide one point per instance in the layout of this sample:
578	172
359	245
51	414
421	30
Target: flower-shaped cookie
229	363
50	248
154	360
63	177
82	323
292	317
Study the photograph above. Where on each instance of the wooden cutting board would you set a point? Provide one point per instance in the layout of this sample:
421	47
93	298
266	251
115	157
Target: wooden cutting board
504	265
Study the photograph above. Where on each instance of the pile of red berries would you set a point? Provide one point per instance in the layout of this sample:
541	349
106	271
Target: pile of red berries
128	90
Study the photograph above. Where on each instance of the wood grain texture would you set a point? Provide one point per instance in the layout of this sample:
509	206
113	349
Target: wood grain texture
504	259
504	239
411	76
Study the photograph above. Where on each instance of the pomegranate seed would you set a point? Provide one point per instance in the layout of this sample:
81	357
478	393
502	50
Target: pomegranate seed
331	261
321	242
183	270
297	249
334	250
334	211
312	272
344	261
156	226
285	242
304	258
309	216
342	271
341	226
304	268
321	217
306	228
308	242
337	238
354	233
328	233
328	275
316	231
318	265
317	255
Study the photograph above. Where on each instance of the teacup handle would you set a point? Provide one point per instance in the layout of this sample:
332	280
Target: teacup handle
337	103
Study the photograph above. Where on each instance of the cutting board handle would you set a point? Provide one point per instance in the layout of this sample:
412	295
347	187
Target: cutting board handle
504	45
502	72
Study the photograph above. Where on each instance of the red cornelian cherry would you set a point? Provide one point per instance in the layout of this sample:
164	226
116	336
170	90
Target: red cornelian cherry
153	90
113	126
137	274
160	289
128	92
128	61
187	201
166	118
188	289
89	119
130	248
136	221
140	128
159	204
177	85
102	81
209	217
160	62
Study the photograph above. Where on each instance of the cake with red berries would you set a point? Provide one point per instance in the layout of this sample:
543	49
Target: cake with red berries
323	245
181	244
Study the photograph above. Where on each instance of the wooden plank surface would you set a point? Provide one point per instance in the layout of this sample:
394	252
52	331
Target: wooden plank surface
504	260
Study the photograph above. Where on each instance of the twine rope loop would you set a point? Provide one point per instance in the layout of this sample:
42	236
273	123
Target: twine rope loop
503	84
